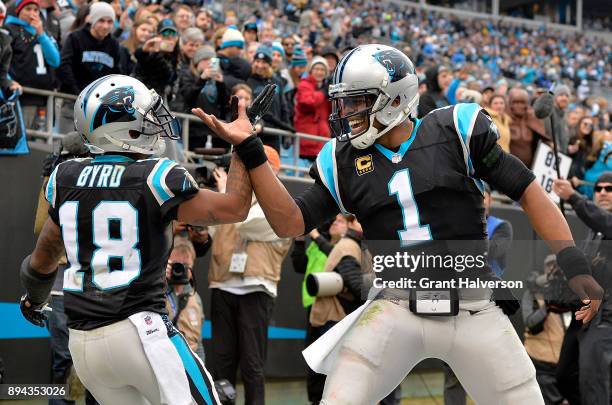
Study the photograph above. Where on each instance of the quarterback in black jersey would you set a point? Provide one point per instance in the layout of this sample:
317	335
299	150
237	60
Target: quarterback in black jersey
112	216
412	181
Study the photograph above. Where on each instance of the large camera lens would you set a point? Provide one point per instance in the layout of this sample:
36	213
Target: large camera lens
179	274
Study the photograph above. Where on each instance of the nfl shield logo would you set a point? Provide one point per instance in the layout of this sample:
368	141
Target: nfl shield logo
148	320
396	158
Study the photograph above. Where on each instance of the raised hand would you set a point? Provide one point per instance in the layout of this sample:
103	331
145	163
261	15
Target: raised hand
233	132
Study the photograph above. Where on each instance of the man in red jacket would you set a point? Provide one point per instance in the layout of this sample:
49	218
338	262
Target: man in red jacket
312	108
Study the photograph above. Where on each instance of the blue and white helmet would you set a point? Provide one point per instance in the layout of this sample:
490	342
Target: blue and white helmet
118	113
372	82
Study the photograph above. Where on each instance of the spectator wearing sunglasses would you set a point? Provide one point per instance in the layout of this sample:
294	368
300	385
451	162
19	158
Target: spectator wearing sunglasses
288	44
592	347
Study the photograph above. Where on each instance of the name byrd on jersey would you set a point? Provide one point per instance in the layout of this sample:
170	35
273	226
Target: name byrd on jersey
107	175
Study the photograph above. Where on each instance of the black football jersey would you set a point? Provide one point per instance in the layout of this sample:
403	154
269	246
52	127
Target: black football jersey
115	215
431	188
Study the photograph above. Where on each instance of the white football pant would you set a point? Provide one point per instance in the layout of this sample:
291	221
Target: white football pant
388	340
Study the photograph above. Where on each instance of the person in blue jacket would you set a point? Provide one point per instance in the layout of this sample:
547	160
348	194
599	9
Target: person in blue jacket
35	55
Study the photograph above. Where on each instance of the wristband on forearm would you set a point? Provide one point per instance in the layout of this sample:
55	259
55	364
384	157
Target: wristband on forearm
38	286
573	262
251	152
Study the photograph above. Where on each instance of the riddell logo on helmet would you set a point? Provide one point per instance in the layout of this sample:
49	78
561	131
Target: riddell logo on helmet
364	164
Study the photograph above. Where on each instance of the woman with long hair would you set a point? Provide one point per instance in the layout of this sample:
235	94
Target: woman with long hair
581	150
141	32
497	111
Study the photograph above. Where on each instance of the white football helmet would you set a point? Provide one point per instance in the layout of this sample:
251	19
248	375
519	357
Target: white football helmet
372	82
118	113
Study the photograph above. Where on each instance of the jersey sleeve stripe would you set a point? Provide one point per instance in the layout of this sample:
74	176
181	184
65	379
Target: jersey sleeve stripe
51	187
464	118
157	181
326	165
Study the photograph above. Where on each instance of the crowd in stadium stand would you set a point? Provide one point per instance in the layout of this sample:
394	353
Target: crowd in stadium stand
170	46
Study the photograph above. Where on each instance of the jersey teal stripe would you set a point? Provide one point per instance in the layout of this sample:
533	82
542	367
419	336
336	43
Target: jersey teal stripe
403	147
465	115
327	168
157	180
191	367
50	189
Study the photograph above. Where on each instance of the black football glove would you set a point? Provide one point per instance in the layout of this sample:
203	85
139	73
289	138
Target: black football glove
262	103
504	299
35	314
350	270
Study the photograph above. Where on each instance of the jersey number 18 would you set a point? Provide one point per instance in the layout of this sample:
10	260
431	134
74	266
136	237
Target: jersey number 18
121	248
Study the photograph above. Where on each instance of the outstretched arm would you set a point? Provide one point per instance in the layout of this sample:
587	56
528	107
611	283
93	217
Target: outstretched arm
282	212
546	218
280	208
550	225
211	208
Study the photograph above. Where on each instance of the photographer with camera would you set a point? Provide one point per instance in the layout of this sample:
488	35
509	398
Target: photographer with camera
544	329
157	60
183	303
590	348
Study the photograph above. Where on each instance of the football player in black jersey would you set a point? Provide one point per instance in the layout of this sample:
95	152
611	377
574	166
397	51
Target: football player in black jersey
411	180
112	215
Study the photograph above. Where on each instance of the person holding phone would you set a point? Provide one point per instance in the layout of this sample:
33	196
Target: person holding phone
204	87
157	59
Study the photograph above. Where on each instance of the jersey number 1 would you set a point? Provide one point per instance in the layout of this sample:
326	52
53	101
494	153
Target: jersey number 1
413	231
121	247
41	69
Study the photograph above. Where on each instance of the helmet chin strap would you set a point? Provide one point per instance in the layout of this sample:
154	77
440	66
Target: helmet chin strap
127	147
372	134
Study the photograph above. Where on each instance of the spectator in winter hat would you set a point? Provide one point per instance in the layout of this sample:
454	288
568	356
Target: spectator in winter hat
27	34
560	128
278	56
331	56
261	75
312	108
250	32
232	43
88	53
204	88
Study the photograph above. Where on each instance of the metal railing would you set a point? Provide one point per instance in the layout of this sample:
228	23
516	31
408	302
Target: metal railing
54	105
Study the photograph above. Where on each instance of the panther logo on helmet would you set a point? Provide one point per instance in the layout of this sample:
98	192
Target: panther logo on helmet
395	62
115	106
